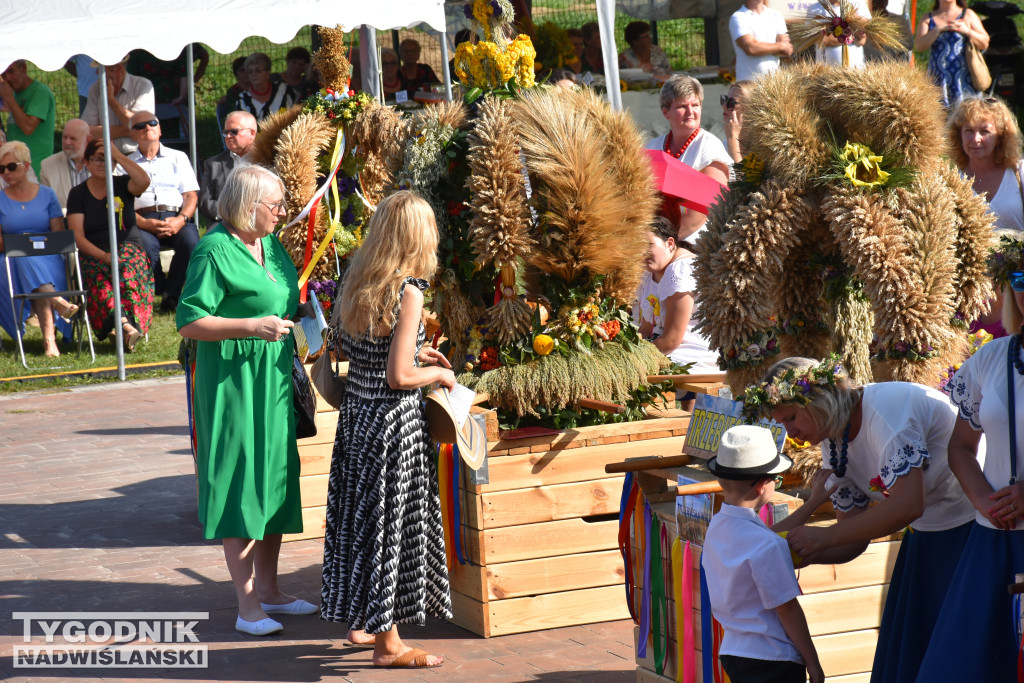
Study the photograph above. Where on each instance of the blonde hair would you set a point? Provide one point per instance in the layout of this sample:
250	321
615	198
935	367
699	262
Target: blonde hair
830	407
971	110
244	188
401	241
18	149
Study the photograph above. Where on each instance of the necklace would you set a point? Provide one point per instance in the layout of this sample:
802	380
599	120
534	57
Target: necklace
686	143
262	93
259	245
839	464
1015	352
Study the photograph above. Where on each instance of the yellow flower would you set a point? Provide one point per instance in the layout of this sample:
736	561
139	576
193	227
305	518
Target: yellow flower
118	204
863	167
543	344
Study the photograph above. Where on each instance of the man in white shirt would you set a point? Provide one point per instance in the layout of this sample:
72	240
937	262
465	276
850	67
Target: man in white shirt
126	94
239	133
761	39
67	168
832	53
164	211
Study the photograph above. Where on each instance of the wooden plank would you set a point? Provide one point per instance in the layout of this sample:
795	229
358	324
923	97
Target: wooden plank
540	612
544	503
872	567
846	653
546	539
564	466
314	520
580	435
545	575
315	459
853	609
326	426
313	490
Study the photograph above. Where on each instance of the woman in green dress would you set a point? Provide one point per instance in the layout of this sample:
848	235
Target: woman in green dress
240	293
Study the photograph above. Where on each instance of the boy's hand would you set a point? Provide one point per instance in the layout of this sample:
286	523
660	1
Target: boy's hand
816	674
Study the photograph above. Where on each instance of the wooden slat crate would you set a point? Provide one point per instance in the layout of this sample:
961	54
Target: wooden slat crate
843	603
542	533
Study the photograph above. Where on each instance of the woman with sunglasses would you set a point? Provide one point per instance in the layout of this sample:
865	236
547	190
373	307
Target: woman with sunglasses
264	97
87	216
979	615
884	446
985	144
240	294
27	207
732	118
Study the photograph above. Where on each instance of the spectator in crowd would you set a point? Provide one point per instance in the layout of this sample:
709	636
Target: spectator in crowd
169	79
240	85
239	133
67	168
165	209
945	34
81	67
593	58
682	98
33	111
391	74
761	39
831	52
641	54
576	38
562	78
126	94
87	216
26	207
3	139
415	74
296	67
732	117
264	97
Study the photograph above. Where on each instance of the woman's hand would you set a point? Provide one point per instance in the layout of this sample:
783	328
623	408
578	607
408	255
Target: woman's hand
447	379
271	328
646	329
1007	506
107	258
806	541
428	355
819	492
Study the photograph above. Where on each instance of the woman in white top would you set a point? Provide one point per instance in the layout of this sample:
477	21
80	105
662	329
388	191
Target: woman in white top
979	616
682	97
665	310
884	443
264	97
985	143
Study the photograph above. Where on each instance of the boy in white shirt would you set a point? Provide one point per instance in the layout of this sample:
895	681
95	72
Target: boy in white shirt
751	583
761	38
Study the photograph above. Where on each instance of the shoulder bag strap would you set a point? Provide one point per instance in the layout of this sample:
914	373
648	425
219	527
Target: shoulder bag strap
1014	347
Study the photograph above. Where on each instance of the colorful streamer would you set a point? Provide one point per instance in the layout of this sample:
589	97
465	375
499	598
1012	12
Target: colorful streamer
645	601
630	491
457	505
659	540
442	472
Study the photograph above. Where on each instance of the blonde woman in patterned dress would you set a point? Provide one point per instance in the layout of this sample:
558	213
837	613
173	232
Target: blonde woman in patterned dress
384	559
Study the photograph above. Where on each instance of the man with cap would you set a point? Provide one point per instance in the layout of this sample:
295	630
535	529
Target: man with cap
67	168
164	212
126	94
33	111
239	133
751	582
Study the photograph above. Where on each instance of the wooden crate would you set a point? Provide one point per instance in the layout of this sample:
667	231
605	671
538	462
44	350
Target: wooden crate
542	532
843	603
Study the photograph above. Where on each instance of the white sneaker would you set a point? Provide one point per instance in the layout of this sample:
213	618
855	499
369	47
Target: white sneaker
296	606
263	627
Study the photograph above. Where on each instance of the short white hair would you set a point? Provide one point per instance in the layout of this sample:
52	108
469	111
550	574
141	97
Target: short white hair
244	188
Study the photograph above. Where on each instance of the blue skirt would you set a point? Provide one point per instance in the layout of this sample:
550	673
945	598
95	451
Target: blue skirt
975	638
920	579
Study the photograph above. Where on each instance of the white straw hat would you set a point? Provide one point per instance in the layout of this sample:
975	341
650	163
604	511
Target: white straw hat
748	452
444	428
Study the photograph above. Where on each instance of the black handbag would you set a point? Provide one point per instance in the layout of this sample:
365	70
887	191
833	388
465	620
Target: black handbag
304	401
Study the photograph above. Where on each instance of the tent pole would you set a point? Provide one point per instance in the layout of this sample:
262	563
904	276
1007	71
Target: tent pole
606	24
112	226
444	66
192	109
368	63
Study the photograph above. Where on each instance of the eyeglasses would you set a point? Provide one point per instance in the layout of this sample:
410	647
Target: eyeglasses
389	63
1016	279
12	167
777	479
97	159
728	102
142	125
276	207
232	132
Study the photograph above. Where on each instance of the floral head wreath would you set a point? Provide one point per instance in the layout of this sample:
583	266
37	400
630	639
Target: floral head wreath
1005	258
795	386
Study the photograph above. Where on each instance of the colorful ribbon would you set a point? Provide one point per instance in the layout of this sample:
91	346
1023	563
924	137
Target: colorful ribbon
457	505
630	490
706	636
645	600
659	540
442	478
686	646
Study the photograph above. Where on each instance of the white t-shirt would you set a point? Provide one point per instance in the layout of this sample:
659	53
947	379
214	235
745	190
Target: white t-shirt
765	26
903	426
650	306
979	391
834	55
750	574
1006	204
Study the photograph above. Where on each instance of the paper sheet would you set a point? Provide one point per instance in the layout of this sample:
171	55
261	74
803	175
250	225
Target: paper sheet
309	333
461	398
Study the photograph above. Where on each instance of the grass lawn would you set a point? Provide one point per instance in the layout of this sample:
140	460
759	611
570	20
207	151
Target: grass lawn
162	347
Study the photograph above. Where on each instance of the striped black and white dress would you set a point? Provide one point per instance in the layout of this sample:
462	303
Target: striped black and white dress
384	559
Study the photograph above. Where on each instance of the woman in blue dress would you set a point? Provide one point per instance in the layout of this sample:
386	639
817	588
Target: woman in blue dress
945	32
27	207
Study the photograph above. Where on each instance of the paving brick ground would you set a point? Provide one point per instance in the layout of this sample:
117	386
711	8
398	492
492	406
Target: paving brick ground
97	512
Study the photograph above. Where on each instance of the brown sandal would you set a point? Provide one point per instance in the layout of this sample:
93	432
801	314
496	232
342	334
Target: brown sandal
413	659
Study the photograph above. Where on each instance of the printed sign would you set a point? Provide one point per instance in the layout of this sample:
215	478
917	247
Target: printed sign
693	513
712	415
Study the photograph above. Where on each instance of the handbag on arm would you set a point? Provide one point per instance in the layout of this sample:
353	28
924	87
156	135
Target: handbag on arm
981	79
326	379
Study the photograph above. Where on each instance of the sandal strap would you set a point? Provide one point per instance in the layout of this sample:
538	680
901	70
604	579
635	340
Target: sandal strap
412	657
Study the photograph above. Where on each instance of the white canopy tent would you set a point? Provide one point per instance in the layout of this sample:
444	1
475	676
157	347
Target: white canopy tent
49	32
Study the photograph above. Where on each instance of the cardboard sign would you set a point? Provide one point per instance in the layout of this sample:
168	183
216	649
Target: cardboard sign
712	415
693	513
